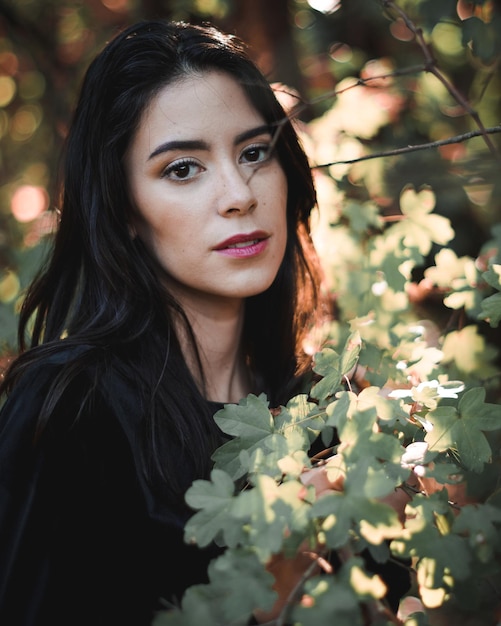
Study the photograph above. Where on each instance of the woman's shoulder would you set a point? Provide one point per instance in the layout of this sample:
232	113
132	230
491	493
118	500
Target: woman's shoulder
63	378
44	363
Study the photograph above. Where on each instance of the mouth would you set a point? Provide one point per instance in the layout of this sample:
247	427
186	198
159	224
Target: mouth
244	246
242	241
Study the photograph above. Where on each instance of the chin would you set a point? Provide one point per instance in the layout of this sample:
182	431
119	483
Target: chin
261	288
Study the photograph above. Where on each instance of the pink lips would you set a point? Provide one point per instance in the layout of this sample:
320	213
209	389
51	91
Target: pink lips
244	245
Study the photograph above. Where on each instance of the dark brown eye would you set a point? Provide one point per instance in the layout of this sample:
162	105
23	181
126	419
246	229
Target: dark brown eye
182	170
256	154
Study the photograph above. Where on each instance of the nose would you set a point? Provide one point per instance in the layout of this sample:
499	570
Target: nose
236	191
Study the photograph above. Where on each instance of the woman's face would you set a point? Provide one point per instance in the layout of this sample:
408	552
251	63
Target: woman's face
210	196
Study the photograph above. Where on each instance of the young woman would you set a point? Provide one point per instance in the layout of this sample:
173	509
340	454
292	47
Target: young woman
182	276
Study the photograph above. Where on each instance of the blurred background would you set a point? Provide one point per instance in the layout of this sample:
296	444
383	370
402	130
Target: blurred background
370	77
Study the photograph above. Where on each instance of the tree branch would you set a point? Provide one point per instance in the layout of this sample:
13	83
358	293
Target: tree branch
431	66
416	147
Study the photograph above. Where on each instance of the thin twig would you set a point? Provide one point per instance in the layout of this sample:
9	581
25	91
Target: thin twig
357	82
416	147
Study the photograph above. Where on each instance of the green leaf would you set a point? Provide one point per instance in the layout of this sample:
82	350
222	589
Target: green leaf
485	415
493	276
448	267
366	585
388	255
420	229
328	600
459	276
341	512
391	267
238	584
377	363
350	353
251	424
468	349
490	307
461	430
328	365
333	367
301	420
482	525
272	513
424	541
249	419
362	216
482	37
490	310
242	582
441	437
340	410
214	500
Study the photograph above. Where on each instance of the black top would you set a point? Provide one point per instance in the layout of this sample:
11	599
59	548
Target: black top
83	540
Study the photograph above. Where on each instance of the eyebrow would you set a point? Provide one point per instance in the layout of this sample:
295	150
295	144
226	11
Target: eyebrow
198	144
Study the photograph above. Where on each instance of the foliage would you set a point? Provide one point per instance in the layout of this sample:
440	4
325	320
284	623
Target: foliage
439	430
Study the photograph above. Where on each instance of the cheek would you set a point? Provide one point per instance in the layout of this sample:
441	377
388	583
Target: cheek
154	234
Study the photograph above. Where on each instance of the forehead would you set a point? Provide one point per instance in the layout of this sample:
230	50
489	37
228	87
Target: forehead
199	103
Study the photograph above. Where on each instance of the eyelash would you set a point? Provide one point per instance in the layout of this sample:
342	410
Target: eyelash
259	147
176	165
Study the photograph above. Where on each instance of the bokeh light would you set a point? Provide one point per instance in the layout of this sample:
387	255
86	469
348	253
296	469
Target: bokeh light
9	286
325	6
4	123
25	122
7	90
446	39
9	63
31	85
28	202
341	52
400	31
116	5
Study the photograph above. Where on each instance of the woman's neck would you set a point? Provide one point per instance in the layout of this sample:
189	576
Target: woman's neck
217	327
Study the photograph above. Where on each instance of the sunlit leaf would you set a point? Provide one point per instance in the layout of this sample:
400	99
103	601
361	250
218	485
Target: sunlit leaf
461	429
421	228
333	366
440	554
213	499
250	418
328	600
467	348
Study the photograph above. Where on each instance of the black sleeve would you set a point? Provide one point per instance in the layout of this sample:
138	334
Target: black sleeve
81	543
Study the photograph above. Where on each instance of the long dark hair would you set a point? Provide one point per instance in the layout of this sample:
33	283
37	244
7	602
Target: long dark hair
100	288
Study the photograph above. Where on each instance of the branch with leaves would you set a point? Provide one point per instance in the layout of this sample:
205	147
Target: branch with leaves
428	428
